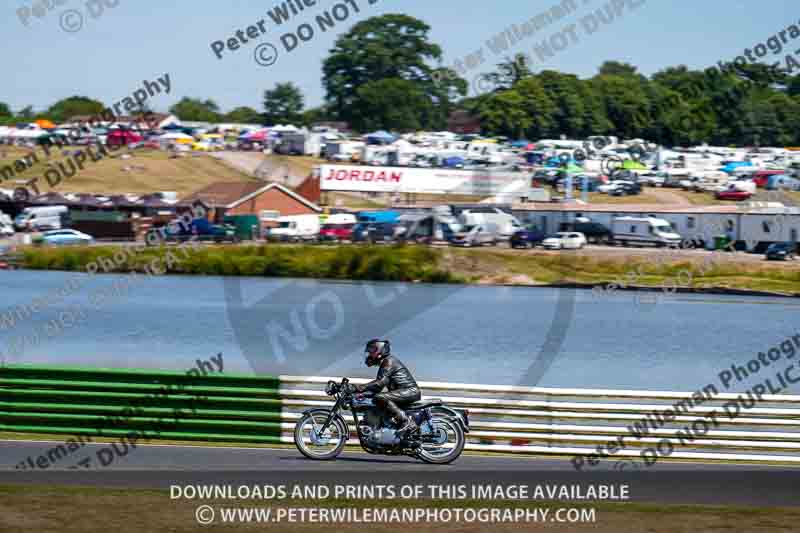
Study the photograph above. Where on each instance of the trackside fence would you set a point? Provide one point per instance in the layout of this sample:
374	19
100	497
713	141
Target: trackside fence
519	420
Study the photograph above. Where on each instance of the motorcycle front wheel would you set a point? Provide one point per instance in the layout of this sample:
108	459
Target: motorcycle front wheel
314	444
445	444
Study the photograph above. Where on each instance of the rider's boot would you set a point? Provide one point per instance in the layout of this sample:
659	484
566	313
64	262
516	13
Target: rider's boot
407	426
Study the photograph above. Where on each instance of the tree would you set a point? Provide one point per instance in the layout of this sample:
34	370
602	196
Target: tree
196	110
244	115
5	111
65	109
504	113
391	104
616	68
315	114
26	113
389	47
283	104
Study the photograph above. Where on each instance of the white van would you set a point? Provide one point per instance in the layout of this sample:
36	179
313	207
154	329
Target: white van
506	224
42	218
646	230
296	228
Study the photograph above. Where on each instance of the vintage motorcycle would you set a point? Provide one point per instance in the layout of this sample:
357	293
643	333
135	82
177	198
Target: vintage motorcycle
321	434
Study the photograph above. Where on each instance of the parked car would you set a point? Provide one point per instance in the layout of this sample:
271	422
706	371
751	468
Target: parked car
565	240
336	232
626	189
476	235
338	227
781	251
733	194
63	237
528	237
593	231
611	185
374	232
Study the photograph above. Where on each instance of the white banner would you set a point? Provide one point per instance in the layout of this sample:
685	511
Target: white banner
420	180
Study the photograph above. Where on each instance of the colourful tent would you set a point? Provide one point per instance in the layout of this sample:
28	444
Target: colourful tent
45	124
630	164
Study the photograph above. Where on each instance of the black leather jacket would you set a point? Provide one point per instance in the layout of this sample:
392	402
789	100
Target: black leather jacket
392	374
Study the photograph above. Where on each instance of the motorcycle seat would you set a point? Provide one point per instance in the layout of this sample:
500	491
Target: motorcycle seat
433	402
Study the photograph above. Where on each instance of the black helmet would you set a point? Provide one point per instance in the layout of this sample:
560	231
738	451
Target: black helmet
376	351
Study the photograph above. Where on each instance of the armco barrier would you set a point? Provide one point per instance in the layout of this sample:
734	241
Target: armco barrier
519	420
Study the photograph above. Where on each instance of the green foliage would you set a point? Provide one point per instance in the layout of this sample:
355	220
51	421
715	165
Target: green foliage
283	104
745	105
65	109
368	263
196	110
244	115
391	51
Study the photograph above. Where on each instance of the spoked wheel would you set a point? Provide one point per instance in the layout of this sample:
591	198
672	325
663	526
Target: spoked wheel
446	442
317	445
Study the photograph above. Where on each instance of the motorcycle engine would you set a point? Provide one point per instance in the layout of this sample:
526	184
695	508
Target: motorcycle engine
375	432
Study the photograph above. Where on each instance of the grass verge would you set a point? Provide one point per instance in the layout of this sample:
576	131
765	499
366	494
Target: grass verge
96	510
441	265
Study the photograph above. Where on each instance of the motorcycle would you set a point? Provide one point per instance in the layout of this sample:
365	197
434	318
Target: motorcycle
321	434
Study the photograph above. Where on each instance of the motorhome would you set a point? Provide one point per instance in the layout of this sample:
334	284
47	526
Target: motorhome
644	230
42	218
296	228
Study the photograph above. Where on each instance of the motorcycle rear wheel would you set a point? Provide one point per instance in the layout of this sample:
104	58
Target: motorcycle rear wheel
322	447
450	450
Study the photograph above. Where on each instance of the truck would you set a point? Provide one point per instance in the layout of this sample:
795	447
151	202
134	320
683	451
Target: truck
296	228
42	218
643	230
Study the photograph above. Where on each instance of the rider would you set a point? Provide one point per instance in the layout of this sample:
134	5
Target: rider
393	375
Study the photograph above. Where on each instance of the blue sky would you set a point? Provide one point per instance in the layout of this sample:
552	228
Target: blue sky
136	40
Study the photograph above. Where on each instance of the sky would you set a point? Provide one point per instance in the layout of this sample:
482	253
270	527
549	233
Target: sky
105	49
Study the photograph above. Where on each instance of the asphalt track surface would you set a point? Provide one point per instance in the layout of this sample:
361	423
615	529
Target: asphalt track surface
160	466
